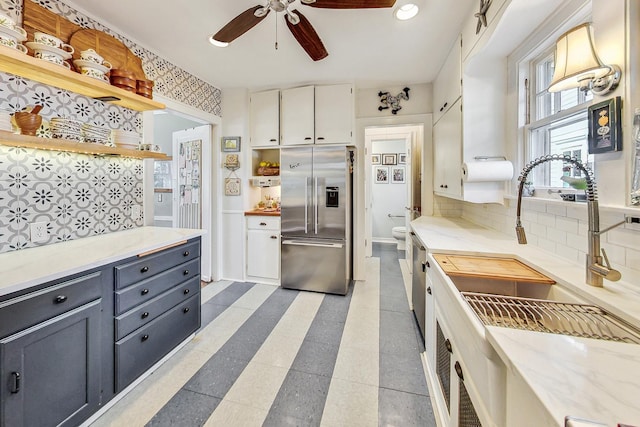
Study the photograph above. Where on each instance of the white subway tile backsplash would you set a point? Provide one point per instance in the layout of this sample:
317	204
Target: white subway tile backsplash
568	252
558	210
570	225
624	237
537	229
546	219
577	241
547	245
578	211
632	259
615	253
557	236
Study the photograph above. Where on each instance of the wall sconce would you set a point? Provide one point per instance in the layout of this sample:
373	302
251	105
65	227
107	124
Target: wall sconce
577	64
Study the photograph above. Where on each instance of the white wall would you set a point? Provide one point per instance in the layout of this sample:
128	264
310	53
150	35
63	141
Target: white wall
387	198
420	100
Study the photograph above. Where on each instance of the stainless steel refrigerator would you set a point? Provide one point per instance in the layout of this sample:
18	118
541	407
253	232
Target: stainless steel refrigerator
316	218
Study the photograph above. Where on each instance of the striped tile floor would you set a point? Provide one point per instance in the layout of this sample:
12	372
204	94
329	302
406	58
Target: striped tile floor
267	356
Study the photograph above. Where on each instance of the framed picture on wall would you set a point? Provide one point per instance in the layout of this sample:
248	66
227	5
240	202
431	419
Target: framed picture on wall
389	159
397	175
375	159
605	127
402	158
381	175
230	143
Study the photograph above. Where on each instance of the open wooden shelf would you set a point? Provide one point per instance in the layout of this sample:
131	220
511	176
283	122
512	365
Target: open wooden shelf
13	140
15	62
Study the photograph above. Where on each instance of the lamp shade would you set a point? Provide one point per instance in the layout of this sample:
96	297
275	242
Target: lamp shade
576	61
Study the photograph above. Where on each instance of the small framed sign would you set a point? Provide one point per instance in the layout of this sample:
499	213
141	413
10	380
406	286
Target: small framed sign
605	127
381	175
230	143
375	159
389	159
397	175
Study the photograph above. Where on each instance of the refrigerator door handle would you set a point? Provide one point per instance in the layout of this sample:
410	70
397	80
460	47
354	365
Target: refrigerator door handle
316	205
306	205
320	244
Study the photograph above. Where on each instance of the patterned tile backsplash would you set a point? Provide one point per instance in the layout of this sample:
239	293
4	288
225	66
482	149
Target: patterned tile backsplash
76	195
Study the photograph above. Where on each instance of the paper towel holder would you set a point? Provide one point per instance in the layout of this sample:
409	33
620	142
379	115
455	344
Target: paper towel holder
489	157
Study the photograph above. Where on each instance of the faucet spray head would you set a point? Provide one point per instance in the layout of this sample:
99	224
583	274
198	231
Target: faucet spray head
520	234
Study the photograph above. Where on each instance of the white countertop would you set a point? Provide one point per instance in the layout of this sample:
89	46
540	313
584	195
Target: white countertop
23	269
586	378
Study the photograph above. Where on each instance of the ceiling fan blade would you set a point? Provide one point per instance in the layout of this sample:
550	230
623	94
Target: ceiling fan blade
307	37
240	25
349	4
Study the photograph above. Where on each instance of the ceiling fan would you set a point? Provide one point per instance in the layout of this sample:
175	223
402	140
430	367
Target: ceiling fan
299	26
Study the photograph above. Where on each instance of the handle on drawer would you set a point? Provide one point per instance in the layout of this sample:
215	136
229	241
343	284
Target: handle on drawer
185	273
185	253
144	292
60	299
185	310
321	138
144	338
447	344
458	369
144	269
15	382
186	291
272	140
274	237
145	315
264	224
429	290
308	138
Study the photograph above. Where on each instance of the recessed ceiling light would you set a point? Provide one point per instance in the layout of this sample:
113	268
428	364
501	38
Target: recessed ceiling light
217	43
406	11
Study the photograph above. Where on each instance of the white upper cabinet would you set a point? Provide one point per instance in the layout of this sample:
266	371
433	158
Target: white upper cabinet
334	111
469	34
297	116
447	87
447	146
265	118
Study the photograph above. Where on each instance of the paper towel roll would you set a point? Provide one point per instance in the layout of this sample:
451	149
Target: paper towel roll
487	170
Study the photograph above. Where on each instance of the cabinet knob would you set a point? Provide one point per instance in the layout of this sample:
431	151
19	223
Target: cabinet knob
144	291
445	186
445	105
145	315
458	369
441	186
144	269
186	291
441	108
447	345
60	299
429	290
144	338
274	237
263	224
185	253
15	382
186	272
185	310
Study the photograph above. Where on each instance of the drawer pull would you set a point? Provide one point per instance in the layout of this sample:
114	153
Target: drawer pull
185	310
321	138
308	138
186	291
144	292
459	370
185	273
144	269
447	344
15	383
185	253
60	299
145	315
429	290
144	338
272	140
274	237
264	224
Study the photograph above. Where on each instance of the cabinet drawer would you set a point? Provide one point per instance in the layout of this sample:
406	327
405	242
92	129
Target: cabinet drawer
147	266
141	349
263	223
30	309
147	312
147	289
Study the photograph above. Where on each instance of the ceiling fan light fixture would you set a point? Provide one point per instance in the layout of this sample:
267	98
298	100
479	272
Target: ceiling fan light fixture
406	11
217	43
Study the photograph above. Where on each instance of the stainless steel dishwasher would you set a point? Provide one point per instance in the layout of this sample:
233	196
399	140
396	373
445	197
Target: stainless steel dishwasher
419	281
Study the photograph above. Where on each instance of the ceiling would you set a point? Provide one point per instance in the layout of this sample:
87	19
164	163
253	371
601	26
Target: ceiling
366	46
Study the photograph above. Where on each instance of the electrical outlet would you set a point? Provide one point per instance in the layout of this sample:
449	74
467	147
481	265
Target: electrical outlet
38	231
136	212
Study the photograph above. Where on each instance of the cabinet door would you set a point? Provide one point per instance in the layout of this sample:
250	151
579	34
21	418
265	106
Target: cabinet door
334	114
265	118
447	87
447	141
297	116
50	373
263	253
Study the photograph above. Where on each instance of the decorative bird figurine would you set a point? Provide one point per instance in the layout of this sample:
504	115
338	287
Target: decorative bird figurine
577	183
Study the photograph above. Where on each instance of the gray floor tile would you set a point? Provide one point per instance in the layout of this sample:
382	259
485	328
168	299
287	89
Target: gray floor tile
395	302
325	331
230	294
280	420
208	312
316	358
217	375
403	372
301	396
185	409
397	408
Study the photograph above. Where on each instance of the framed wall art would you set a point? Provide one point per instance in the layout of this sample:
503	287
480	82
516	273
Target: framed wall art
230	143
375	159
232	186
381	175
389	159
397	175
605	126
402	158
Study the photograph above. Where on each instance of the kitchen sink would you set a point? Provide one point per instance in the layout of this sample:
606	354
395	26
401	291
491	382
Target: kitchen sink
512	288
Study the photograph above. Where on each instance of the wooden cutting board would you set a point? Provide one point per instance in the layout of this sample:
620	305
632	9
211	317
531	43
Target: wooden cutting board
110	48
492	268
37	18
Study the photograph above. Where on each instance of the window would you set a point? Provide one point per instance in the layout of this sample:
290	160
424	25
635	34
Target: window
559	126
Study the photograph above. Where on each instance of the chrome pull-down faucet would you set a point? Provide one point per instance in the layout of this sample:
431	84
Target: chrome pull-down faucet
595	269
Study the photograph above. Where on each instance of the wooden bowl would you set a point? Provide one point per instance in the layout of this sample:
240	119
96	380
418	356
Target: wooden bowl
123	81
118	72
127	88
28	122
145	83
144	91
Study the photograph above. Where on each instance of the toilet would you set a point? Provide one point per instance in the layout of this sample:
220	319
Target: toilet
400	233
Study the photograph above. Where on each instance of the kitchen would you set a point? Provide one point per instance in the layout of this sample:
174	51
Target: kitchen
555	227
